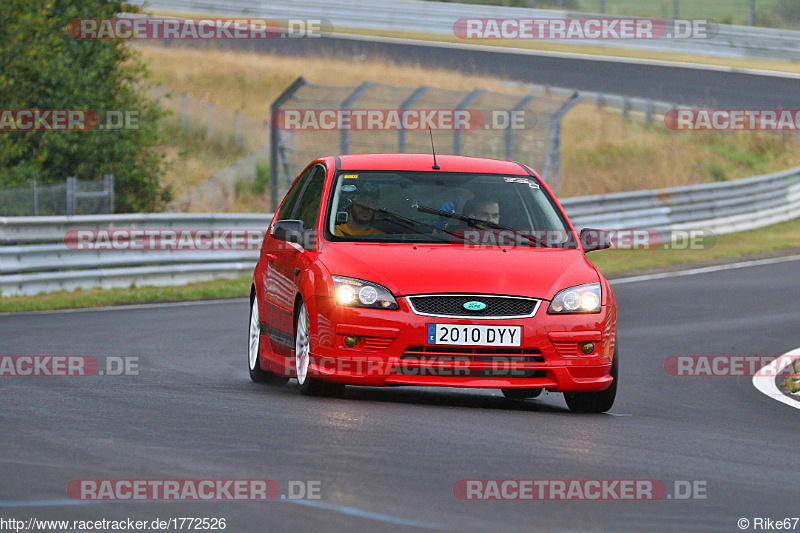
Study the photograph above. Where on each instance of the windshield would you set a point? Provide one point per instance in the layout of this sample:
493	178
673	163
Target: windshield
435	207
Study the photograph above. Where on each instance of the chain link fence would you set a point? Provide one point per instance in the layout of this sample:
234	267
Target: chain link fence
211	119
74	197
524	128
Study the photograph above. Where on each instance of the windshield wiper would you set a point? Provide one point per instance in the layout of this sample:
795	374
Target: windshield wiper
413	223
474	222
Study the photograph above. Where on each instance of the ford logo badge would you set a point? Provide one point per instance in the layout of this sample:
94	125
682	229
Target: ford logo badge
475	306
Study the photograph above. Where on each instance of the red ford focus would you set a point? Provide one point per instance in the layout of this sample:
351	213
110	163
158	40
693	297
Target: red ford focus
395	269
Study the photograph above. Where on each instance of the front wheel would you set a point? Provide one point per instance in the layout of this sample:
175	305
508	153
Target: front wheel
254	348
302	358
595	401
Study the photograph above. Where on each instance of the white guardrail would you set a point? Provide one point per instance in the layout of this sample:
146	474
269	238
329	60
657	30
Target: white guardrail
438	18
34	257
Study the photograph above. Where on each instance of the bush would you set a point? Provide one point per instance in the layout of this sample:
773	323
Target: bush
42	67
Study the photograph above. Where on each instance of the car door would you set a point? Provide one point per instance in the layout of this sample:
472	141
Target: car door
283	257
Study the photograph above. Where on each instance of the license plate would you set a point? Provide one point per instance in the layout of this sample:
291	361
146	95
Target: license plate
474	335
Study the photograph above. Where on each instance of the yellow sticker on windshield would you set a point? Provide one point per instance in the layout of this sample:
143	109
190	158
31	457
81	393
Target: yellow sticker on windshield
350	176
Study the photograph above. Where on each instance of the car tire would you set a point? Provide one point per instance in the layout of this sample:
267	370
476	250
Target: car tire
521	394
254	348
309	385
595	401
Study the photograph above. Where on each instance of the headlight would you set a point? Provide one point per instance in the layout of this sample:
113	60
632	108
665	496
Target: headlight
351	292
578	299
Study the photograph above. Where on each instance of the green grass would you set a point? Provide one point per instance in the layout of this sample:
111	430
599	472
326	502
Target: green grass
792	383
780	239
207	290
721	11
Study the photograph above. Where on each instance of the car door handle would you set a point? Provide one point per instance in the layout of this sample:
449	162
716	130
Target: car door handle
271	257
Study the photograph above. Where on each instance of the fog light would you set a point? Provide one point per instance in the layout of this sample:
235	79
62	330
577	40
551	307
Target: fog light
350	341
587	347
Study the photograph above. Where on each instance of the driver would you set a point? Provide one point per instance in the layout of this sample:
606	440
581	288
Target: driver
360	217
479	209
487	210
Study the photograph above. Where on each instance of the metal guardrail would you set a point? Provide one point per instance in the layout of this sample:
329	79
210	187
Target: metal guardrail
34	257
719	207
30	230
439	17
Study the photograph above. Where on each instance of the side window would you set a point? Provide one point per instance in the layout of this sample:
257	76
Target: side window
309	205
289	202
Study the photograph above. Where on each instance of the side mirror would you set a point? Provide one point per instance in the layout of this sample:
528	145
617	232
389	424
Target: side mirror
595	239
289	230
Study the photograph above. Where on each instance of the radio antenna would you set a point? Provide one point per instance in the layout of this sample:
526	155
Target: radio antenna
435	166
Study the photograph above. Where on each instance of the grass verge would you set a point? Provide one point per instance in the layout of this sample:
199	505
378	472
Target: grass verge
771	241
205	290
777	240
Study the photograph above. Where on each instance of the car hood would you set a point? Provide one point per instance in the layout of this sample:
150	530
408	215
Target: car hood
423	269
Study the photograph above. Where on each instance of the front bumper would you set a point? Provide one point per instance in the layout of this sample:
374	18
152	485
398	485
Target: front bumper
392	349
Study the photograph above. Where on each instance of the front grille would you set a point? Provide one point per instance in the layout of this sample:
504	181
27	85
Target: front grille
486	355
376	344
566	348
452	305
470	372
422	360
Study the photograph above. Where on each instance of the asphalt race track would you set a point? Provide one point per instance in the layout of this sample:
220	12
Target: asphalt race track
674	83
387	459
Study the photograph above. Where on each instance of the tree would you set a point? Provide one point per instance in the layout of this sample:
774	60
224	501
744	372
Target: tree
43	67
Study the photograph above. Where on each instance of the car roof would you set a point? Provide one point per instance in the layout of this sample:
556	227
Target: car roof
424	162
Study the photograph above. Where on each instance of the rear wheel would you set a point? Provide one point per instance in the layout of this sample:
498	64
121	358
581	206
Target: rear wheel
521	394
302	359
596	401
254	348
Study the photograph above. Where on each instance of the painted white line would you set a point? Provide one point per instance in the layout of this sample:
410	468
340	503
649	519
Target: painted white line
764	379
129	307
705	270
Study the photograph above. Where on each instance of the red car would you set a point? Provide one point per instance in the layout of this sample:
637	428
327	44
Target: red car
402	269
